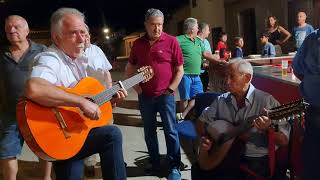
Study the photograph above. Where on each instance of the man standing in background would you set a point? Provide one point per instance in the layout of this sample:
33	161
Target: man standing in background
303	29
203	34
162	52
15	63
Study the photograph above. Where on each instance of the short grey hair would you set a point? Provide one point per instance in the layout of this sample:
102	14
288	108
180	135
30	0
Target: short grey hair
242	65
188	24
202	26
58	16
153	13
25	23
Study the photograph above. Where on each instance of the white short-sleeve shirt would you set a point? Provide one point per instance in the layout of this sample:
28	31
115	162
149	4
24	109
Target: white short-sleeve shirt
56	67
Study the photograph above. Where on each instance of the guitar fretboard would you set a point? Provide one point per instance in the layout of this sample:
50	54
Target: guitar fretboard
274	114
106	95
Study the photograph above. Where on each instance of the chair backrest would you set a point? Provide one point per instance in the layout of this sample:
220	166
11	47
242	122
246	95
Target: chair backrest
203	100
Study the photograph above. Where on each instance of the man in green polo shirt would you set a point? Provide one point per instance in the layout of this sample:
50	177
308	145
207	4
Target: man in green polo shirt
193	52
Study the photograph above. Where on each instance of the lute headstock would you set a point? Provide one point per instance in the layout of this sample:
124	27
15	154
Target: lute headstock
287	110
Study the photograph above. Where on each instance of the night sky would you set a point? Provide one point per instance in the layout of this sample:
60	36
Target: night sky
127	14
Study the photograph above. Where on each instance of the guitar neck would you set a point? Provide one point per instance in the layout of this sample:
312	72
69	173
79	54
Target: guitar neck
274	114
106	95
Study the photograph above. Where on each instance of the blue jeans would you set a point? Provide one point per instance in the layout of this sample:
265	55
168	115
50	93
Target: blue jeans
10	139
311	144
166	106
107	141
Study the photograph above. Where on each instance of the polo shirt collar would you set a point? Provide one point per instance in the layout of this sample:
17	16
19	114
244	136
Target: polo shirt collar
31	47
248	98
188	37
200	38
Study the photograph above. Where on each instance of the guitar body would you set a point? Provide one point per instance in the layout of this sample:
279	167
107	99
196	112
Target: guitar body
42	130
227	148
228	154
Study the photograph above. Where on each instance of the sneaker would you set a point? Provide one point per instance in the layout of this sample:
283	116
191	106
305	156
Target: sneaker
174	175
179	117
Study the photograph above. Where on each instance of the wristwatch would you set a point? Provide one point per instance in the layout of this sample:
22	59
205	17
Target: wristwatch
170	90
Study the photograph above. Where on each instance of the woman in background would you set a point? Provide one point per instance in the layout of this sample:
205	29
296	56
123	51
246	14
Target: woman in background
276	32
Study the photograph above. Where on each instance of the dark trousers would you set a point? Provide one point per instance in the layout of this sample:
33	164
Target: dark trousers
258	165
311	144
205	80
107	141
166	106
217	174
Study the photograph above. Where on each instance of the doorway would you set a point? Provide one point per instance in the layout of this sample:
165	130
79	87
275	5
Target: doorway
247	28
216	31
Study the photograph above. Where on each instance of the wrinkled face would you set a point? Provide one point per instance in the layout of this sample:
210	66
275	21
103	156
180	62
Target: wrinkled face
16	29
224	38
72	38
154	27
272	21
301	17
236	81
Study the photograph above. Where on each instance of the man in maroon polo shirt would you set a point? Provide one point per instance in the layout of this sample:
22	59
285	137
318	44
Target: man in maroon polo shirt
163	53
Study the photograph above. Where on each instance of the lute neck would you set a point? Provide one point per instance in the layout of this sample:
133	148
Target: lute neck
276	113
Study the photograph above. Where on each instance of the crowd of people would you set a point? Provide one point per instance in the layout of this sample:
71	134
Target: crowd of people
186	64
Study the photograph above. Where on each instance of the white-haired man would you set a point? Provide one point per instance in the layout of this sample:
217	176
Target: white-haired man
65	64
242	102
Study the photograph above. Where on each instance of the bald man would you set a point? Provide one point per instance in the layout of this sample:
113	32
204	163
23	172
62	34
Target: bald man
15	63
303	29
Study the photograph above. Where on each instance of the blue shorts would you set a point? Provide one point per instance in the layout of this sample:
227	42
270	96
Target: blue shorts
10	139
190	86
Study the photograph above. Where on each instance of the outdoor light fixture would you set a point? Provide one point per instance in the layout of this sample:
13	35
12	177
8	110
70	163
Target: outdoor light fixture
106	30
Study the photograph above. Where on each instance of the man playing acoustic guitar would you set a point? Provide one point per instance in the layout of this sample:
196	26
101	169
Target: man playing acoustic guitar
64	64
236	107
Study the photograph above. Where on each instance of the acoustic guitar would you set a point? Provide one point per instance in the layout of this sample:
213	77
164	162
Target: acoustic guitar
58	133
224	133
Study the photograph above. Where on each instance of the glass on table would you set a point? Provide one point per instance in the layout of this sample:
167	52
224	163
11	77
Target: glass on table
284	67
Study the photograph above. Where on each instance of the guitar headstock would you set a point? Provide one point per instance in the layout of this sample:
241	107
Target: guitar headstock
147	72
288	110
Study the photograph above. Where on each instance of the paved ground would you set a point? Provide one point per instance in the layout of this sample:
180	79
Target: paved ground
127	117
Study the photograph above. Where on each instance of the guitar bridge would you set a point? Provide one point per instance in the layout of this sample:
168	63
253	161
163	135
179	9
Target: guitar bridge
62	123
